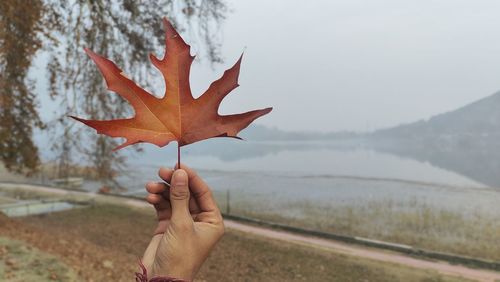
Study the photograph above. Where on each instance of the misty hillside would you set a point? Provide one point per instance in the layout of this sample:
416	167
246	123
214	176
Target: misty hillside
264	133
466	140
479	119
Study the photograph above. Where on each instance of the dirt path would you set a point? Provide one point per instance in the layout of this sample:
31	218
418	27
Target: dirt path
441	267
329	245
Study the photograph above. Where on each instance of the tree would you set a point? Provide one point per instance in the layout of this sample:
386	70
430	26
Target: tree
18	113
125	30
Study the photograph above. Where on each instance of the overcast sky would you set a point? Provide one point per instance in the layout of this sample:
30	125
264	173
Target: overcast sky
357	65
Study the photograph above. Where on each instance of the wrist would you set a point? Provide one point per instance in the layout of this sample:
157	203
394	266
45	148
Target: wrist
168	279
183	273
173	275
144	276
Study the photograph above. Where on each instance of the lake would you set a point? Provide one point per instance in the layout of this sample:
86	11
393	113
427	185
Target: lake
321	173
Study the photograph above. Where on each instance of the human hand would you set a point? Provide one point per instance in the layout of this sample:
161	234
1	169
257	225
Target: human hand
189	224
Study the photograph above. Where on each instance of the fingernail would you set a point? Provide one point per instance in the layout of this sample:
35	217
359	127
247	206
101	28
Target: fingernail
179	178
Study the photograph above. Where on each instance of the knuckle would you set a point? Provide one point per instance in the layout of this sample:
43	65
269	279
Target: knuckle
222	230
194	175
209	194
150	198
179	194
151	187
204	195
219	222
164	173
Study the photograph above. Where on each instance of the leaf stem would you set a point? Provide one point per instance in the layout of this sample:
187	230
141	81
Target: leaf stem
178	155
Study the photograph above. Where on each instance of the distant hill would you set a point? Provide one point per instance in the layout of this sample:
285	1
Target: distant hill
466	140
264	133
478	119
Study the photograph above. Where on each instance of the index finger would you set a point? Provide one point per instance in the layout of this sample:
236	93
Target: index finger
200	190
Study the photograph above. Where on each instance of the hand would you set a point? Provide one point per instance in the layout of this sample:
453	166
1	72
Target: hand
189	224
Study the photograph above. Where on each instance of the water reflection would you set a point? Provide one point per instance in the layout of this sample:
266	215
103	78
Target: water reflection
328	174
327	158
479	161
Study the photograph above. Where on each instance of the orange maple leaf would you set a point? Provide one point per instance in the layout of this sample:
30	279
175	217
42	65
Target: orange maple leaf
177	116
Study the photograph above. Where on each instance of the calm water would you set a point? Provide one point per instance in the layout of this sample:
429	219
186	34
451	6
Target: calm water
33	207
300	159
320	173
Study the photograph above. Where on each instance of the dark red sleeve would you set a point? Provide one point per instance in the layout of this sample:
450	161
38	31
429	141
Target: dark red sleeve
143	277
166	279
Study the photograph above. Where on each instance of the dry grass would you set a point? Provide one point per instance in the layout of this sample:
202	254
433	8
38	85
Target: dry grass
21	262
90	240
412	223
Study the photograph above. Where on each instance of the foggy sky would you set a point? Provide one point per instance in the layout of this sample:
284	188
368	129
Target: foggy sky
357	65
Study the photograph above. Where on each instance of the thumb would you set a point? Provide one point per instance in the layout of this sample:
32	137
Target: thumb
179	196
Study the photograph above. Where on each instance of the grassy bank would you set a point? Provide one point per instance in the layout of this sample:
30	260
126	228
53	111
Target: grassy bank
413	223
21	262
104	242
